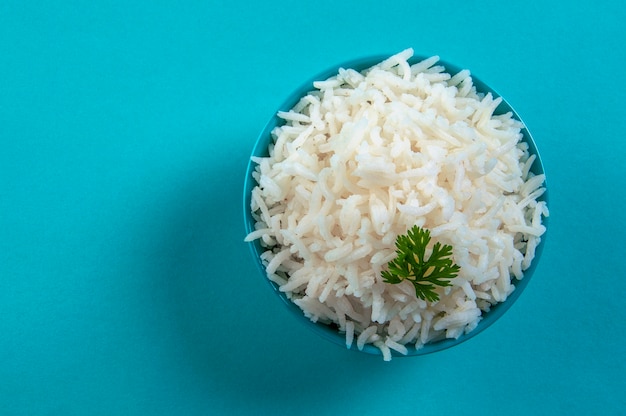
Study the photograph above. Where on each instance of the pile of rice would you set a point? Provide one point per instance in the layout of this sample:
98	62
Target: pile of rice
363	158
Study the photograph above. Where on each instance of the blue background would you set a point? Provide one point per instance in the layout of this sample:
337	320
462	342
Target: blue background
125	285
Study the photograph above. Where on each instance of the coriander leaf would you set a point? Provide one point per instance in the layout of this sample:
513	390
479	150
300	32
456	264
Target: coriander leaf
410	263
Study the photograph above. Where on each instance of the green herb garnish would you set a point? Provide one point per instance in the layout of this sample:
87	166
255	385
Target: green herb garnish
425	274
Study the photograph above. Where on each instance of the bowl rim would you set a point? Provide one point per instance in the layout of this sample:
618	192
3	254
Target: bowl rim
330	333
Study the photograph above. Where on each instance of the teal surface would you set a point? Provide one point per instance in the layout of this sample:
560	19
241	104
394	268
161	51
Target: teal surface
125	284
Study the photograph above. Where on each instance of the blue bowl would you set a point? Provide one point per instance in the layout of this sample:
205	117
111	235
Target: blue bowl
330	332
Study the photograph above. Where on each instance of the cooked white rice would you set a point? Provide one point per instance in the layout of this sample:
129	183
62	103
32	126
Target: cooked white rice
363	158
